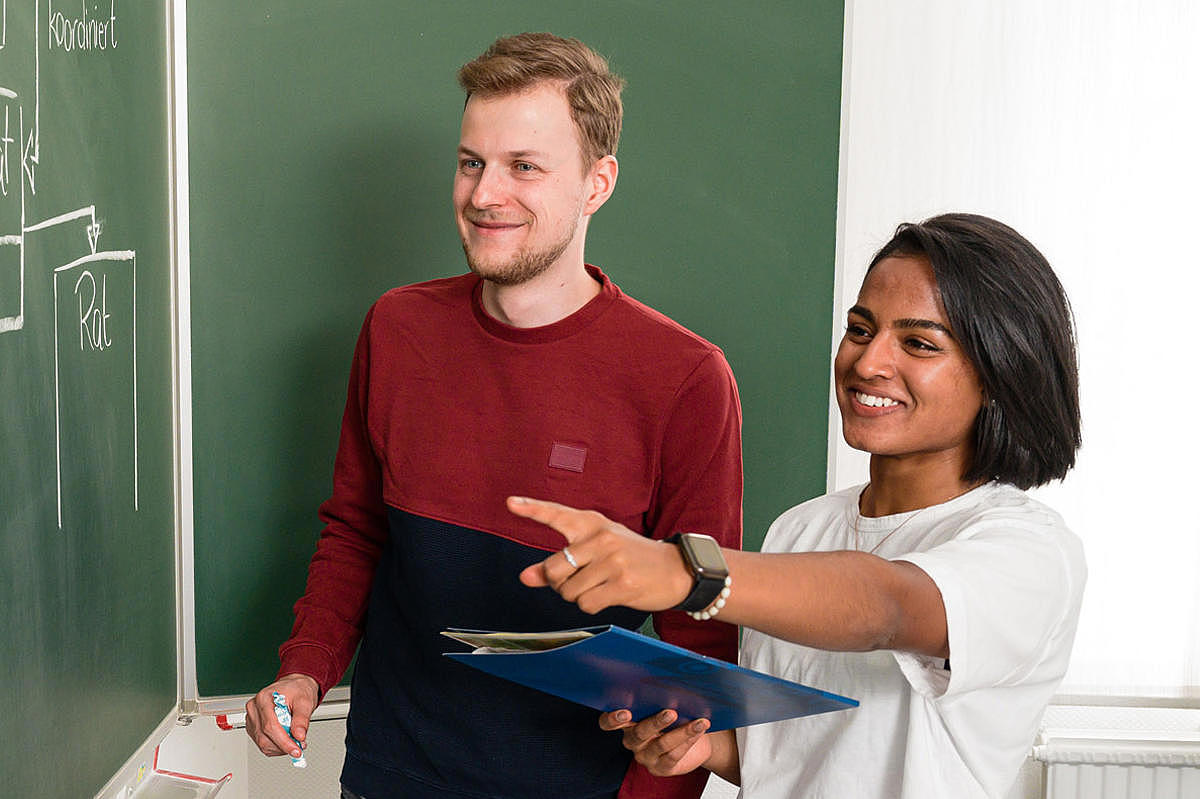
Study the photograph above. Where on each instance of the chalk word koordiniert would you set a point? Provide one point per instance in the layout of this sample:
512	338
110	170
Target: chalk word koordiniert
82	32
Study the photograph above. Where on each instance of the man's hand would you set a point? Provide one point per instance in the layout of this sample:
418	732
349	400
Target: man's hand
264	728
604	563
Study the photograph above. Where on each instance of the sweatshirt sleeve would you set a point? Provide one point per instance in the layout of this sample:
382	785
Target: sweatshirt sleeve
329	616
699	490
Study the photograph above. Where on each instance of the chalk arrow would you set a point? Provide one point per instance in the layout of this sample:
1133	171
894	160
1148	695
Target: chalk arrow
28	162
93	234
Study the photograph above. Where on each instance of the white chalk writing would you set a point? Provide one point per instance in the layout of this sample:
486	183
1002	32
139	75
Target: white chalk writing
5	141
93	320
85	32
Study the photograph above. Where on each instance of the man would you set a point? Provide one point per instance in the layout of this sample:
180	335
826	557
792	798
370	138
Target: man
532	375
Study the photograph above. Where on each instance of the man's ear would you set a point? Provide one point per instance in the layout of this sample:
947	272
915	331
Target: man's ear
603	177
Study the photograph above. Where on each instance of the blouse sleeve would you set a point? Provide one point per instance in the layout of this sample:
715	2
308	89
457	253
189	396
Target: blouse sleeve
1012	590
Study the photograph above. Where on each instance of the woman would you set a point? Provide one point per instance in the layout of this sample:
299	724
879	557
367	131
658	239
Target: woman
939	594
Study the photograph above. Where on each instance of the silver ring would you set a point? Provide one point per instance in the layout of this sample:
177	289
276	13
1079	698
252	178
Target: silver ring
570	558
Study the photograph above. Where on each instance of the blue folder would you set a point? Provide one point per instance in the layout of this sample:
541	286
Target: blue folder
609	668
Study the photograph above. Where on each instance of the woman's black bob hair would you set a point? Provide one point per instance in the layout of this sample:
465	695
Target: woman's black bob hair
1010	315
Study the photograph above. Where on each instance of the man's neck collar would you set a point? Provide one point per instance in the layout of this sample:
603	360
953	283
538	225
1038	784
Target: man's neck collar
544	300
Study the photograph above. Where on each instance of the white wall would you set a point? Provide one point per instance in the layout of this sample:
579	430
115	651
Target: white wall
1076	122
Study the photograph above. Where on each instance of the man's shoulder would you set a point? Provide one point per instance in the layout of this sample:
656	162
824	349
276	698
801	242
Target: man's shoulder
444	291
455	287
647	324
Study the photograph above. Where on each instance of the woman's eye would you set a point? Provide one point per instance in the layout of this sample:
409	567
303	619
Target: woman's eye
921	345
854	330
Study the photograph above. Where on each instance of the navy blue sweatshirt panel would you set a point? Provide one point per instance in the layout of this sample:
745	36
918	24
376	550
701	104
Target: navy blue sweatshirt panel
422	724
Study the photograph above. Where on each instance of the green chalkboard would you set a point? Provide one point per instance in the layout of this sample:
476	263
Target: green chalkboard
87	519
322	147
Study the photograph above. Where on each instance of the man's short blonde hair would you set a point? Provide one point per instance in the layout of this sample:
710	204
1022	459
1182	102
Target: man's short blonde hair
515	63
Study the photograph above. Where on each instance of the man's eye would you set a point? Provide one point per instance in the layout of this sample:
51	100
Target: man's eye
472	163
524	167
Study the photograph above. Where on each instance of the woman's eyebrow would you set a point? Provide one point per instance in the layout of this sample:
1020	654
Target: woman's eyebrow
920	324
923	324
865	313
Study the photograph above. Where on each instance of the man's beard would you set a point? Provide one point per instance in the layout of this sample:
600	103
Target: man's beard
525	266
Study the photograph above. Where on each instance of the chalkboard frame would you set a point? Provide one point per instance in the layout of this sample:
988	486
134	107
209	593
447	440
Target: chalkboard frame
342	166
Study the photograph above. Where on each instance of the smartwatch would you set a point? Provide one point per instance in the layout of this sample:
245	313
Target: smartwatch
702	555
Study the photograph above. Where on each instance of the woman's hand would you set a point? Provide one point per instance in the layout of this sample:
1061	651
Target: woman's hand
663	753
604	563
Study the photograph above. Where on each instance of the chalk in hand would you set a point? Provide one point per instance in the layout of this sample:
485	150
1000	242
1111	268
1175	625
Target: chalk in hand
285	718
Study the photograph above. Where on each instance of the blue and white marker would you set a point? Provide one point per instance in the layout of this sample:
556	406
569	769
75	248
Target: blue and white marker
285	718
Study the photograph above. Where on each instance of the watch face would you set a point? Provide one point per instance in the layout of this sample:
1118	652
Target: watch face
707	553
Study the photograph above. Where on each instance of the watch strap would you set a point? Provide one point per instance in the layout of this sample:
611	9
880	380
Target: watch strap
705	588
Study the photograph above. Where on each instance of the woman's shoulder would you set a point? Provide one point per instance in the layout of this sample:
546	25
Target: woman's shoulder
835	502
1001	503
813	520
999	512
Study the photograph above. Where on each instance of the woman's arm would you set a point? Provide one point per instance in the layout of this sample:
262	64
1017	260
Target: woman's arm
840	601
846	601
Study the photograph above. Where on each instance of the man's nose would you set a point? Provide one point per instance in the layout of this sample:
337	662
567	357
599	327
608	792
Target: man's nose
489	189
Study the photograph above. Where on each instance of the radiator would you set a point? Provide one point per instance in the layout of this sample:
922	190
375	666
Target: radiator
1090	767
